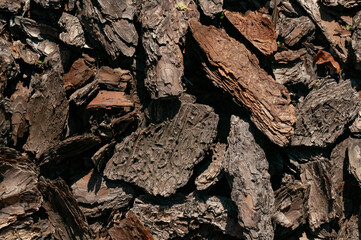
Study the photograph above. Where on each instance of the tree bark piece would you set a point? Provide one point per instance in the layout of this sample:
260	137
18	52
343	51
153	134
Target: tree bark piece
291	207
213	173
130	228
110	99
21	51
256	28
211	8
47	111
356	40
354	157
113	78
73	33
164	26
11	6
161	158
322	116
321	201
8	67
34	29
78	75
110	24
18	186
81	96
252	192
98	197
177	216
229	65
332	30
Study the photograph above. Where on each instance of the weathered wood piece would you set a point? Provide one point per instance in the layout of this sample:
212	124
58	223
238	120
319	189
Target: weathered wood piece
111	25
211	8
236	70
129	228
82	95
354	158
47	110
78	75
341	3
177	216
11	6
257	28
246	164
291	207
73	33
164	25
110	99
356	40
34	29
213	173
19	195
322	116
98	197
333	31
161	157
113	78
21	51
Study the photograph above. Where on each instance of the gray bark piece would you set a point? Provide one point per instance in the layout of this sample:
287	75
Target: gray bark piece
161	158
21	51
111	25
175	217
246	163
45	47
299	71
34	29
98	197
321	201
329	27
355	128
82	95
294	29
356	40
211	7
102	156
341	3
47	110
164	26
73	32
213	173
291	207
5	121
52	4
19	195
8	67
354	157
12	6
322	116
350	228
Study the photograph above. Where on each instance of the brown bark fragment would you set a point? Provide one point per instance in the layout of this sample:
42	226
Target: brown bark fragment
130	228
256	28
73	33
78	75
21	51
234	69
323	57
116	78
246	163
110	99
161	157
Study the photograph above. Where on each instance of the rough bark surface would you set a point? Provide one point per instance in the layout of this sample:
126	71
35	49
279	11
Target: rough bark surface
322	116
246	163
270	106
152	158
186	213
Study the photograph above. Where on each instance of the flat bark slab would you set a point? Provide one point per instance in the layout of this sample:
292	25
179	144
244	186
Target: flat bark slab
98	197
356	40
20	196
333	31
229	64
323	114
46	112
113	78
164	25
246	163
111	25
110	99
177	216
78	75
161	157
257	28
354	158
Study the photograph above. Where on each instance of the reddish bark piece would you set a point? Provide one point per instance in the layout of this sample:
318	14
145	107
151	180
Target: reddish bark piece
114	77
110	99
233	68
130	228
323	57
78	75
256	28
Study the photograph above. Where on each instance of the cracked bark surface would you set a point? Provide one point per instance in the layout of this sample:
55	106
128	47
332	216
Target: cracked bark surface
270	106
246	164
176	144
